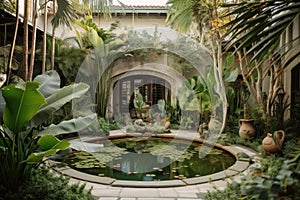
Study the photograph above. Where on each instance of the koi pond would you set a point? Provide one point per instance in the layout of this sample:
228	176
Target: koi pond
150	159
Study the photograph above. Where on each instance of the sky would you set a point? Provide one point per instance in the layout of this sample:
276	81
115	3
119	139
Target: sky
142	2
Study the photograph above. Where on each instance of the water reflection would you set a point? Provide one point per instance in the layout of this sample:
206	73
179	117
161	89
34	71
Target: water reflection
150	160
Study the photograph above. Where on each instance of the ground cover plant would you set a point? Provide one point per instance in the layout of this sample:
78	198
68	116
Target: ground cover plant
276	177
44	184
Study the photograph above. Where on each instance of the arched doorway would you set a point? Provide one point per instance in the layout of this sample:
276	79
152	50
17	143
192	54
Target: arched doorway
295	88
152	89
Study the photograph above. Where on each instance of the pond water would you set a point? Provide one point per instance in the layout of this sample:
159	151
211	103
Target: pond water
150	159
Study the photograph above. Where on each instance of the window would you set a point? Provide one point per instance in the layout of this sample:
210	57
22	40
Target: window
295	88
152	89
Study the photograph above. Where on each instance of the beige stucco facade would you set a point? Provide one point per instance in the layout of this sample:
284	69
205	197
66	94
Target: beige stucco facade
292	93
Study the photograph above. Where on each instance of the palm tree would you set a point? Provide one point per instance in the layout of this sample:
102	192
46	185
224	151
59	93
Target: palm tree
33	41
53	37
256	32
45	21
25	41
65	14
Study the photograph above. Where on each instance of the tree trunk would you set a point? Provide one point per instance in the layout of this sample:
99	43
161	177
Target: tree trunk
33	42
25	42
53	41
45	38
12	47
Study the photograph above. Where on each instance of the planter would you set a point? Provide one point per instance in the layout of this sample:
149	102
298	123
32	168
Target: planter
273	143
247	128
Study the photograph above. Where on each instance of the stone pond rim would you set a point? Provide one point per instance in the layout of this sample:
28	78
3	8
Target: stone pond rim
238	167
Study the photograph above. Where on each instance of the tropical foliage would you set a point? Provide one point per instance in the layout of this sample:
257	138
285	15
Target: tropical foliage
254	34
257	27
22	133
101	7
89	39
103	47
252	30
275	177
8	5
68	58
44	184
66	13
207	27
249	32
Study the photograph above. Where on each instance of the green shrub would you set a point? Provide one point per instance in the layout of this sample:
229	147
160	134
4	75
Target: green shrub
232	191
107	124
278	177
45	185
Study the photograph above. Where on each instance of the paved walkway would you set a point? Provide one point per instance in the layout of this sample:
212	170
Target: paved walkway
108	192
188	192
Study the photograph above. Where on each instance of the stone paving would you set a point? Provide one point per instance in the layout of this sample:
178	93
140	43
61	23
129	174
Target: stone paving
189	191
107	192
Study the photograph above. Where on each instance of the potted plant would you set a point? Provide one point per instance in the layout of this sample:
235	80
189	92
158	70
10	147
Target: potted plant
139	104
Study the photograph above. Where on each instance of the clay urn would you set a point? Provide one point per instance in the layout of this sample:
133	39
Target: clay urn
247	128
273	143
167	124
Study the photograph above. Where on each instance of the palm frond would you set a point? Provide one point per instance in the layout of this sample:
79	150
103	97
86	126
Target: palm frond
65	13
8	5
180	14
258	26
102	7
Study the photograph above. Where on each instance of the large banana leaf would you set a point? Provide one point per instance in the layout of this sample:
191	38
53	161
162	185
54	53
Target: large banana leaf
51	145
85	146
49	82
22	102
94	38
69	126
57	100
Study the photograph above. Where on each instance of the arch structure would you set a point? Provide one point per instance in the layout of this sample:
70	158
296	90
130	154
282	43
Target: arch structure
153	80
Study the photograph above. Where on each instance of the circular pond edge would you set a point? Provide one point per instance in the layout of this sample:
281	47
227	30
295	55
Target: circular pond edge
239	166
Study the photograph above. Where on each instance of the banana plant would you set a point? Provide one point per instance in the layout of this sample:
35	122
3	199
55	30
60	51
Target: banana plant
17	141
22	134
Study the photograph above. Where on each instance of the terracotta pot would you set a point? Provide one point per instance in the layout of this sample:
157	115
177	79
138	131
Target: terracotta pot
247	128
273	144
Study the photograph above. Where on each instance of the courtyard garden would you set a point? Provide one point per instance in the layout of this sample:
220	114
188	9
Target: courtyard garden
223	78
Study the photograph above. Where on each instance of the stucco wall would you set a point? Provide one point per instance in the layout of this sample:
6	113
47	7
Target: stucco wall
292	34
